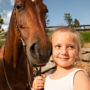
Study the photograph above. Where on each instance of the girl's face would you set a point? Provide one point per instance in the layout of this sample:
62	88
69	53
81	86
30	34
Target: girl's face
65	48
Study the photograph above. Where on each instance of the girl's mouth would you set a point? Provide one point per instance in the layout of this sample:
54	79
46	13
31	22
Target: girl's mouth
64	58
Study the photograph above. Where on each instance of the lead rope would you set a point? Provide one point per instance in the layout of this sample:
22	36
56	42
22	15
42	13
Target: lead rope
29	84
30	80
39	73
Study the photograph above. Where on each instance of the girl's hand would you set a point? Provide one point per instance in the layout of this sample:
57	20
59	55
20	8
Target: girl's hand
38	82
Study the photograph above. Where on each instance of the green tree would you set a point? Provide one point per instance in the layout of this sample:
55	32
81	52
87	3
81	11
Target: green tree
1	21
68	19
76	22
47	20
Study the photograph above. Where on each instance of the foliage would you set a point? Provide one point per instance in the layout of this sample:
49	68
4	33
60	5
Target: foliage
70	21
1	43
76	22
85	36
68	18
1	21
47	20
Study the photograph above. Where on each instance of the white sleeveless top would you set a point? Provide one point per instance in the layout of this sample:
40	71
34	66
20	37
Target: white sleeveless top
65	83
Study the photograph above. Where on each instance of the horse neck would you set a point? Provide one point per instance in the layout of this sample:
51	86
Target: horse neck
15	61
14	52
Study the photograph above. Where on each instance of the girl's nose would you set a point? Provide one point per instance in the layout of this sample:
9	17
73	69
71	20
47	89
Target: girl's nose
63	51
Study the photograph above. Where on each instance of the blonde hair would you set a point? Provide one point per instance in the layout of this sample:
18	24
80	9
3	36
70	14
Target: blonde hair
71	30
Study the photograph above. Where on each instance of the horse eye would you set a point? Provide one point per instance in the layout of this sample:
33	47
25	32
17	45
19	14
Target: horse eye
21	26
19	7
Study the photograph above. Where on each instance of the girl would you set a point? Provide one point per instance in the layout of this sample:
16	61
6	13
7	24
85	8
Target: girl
65	50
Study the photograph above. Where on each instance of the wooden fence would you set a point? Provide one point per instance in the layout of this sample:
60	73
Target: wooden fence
78	28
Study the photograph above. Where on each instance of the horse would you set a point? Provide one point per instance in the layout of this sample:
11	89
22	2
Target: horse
26	45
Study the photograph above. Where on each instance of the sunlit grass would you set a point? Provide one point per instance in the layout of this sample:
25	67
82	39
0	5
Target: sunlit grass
1	43
85	36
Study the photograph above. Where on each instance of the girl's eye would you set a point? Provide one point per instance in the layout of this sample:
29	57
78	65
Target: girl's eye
57	46
71	47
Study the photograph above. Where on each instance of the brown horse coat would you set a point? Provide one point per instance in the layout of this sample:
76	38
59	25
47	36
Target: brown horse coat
27	25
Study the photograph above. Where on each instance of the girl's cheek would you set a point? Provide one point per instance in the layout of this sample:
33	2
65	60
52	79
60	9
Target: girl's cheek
73	53
55	52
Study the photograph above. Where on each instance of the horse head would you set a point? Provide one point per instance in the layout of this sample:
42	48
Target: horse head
28	24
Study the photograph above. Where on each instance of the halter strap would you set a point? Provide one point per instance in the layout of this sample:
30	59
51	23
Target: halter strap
18	31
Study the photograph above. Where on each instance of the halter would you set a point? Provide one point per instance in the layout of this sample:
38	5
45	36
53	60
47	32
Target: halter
29	85
18	31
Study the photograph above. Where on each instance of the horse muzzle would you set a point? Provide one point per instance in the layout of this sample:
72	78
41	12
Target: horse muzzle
38	53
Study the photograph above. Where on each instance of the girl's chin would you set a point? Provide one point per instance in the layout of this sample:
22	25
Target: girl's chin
64	64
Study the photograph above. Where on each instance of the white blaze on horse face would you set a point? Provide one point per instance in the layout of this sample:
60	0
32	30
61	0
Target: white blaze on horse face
33	0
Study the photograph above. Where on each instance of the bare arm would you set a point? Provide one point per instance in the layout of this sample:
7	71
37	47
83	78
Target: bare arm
81	81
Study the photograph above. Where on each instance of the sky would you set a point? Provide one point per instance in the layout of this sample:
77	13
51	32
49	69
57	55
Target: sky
79	9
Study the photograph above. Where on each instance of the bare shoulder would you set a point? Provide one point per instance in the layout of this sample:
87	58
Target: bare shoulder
81	81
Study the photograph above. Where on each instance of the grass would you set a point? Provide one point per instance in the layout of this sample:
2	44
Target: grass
2	36
85	36
1	43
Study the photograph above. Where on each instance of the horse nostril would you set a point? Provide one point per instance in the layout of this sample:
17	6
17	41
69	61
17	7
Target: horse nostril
34	50
39	53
